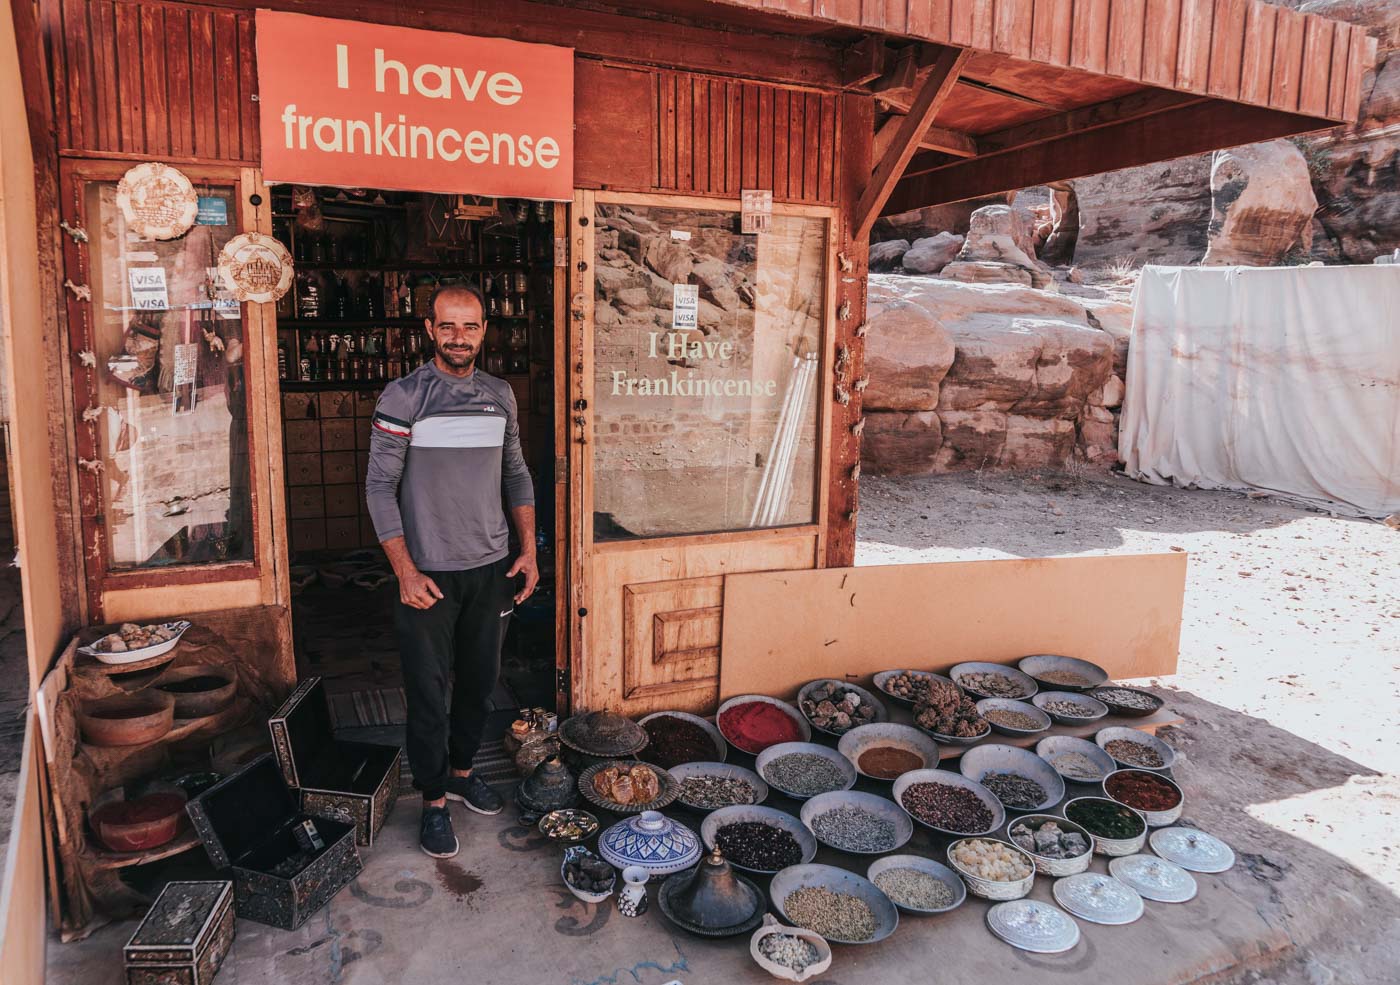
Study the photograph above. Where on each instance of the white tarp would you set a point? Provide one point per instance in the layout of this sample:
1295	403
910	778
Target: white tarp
1285	380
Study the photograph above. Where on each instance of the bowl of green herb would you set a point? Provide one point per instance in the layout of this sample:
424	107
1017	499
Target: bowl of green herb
1115	828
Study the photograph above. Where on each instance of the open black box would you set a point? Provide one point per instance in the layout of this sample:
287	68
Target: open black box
246	822
347	781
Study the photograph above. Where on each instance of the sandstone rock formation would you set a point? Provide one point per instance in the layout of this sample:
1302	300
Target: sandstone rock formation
932	253
907	354
998	247
1262	205
886	255
1157	214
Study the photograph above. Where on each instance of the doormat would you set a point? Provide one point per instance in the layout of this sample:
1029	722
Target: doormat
370	706
493	764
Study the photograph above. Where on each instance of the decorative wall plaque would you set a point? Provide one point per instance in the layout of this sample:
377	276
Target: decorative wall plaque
255	267
157	201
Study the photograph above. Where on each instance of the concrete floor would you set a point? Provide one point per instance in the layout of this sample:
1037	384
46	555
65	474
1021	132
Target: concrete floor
1279	756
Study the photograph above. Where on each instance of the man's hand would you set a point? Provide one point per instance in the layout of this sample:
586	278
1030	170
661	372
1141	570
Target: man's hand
526	563
418	590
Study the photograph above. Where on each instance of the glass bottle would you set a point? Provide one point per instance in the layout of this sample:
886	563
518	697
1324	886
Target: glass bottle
343	298
308	295
318	249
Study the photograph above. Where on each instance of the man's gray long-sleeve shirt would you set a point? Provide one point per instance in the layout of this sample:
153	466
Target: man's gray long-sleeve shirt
441	449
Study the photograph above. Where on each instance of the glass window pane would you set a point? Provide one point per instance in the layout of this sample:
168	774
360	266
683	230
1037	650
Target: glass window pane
706	356
172	426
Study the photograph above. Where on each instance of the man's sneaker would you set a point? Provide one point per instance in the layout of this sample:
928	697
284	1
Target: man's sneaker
435	833
473	791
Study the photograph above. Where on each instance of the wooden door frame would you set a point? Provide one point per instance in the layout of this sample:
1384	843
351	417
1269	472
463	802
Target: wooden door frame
573	422
265	573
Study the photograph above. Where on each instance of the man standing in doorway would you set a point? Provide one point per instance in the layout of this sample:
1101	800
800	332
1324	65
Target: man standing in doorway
444	445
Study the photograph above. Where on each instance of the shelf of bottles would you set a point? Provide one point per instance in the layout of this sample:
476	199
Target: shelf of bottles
356	311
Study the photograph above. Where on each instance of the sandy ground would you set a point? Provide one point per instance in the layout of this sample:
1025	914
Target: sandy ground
1289	670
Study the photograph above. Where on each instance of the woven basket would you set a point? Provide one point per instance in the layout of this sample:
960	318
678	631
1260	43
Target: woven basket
1057	866
994	889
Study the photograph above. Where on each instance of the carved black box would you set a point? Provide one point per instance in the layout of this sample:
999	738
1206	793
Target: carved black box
184	937
248	822
347	781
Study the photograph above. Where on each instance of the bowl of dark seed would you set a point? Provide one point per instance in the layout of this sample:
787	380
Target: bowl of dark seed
805	769
948	803
1130	747
1077	760
916	884
790	953
906	687
676	737
835	707
1011	717
1059	846
885	750
1116	829
1019	778
855	822
1130	702
1070	708
991	680
841	906
949	715
1054	672
710	786
758	839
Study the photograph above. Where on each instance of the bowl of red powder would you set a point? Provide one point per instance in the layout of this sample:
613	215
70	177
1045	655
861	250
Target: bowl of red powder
1157	798
753	722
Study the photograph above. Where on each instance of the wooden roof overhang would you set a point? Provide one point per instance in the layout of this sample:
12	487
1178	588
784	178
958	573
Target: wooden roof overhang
1047	90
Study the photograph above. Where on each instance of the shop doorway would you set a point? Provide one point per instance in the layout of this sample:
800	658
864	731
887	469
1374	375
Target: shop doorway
367	263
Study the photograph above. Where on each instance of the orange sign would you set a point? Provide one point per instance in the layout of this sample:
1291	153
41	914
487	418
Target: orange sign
365	105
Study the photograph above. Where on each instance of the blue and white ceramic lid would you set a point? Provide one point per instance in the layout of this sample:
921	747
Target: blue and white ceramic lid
1033	926
1154	878
651	840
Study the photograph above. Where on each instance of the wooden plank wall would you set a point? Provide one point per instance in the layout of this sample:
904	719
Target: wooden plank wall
1245	50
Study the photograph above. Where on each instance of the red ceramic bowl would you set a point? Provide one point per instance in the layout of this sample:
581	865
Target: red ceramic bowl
140	824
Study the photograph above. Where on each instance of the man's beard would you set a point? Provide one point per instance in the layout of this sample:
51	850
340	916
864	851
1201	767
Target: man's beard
458	358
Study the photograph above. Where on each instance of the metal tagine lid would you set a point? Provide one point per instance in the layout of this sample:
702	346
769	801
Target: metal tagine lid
1098	898
1154	878
1193	849
603	733
1033	926
550	787
711	898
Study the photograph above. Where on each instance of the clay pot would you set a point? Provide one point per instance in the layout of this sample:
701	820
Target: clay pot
195	693
128	719
141	823
550	787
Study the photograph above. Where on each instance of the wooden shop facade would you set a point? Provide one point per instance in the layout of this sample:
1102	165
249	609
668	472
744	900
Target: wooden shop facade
666	207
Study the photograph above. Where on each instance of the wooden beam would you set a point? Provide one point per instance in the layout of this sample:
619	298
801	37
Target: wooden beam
901	77
934	92
864	62
1189	129
1114	111
936	138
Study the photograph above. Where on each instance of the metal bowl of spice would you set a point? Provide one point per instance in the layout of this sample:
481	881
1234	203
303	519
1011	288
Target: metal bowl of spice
676	737
710	786
758	839
1059	846
886	750
805	769
1077	760
1129	702
906	687
1019	778
858	823
836	707
916	884
841	906
1130	747
1059	673
948	803
790	953
1155	797
992	680
1011	717
753	722
1116	829
1069	707
993	869
949	715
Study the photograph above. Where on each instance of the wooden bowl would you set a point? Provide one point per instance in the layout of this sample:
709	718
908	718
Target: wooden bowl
204	696
141	823
128	719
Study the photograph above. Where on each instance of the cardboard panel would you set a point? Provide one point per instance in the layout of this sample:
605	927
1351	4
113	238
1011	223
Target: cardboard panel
785	628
